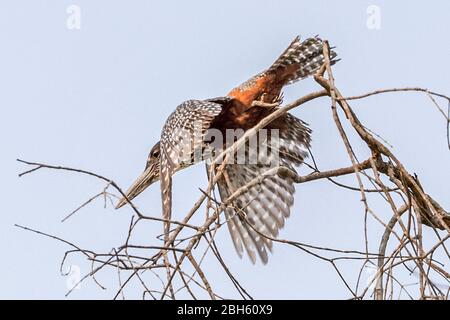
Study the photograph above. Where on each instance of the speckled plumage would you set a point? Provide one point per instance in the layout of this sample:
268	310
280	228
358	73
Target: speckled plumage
263	207
180	139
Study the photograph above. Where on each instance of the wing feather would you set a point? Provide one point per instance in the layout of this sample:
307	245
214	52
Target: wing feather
262	208
181	138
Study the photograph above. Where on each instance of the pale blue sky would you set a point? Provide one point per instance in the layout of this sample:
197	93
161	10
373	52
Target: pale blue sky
96	98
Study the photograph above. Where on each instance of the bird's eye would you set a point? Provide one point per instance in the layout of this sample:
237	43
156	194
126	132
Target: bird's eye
155	154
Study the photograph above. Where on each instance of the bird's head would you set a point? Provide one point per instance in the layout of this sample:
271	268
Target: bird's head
148	177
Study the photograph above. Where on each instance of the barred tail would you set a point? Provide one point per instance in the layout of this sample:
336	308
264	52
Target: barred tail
300	60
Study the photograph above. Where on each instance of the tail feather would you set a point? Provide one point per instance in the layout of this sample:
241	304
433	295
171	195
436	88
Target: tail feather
300	60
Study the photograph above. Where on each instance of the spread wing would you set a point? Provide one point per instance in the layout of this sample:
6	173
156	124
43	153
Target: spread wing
263	207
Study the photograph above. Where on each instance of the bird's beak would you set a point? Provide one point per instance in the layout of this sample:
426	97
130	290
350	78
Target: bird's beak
145	179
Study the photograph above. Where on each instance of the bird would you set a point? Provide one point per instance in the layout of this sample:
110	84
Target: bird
256	215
